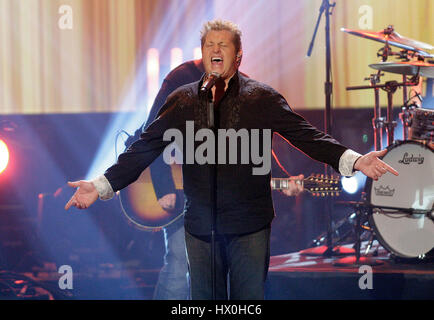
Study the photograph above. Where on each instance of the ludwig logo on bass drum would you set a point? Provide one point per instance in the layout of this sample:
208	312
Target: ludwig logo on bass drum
384	191
406	159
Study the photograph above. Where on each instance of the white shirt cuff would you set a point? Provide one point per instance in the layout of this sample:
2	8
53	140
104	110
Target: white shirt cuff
102	185
346	162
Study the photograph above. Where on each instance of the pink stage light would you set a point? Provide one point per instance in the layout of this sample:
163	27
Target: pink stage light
4	156
175	58
153	74
197	53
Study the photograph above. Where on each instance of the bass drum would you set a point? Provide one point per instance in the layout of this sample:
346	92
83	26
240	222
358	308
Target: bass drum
402	206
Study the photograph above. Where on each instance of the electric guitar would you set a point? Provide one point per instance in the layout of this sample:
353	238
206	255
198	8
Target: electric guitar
140	206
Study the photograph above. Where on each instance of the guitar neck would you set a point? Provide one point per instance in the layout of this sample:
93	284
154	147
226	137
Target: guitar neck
283	183
316	185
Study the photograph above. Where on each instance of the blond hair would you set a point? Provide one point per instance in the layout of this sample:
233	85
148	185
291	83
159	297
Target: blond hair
220	25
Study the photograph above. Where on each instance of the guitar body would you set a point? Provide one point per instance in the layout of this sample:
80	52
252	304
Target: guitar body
140	204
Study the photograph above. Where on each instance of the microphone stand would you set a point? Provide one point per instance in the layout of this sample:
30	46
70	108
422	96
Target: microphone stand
325	9
213	187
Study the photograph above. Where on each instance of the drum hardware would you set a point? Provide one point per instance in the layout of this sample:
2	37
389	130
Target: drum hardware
400	209
403	113
390	87
342	230
405	117
410	49
370	242
421	126
389	36
361	208
406	68
377	121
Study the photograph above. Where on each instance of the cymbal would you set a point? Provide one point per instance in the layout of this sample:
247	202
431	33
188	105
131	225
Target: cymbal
394	39
410	68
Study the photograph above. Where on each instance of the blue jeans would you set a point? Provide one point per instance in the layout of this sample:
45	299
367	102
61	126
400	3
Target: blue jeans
241	259
173	279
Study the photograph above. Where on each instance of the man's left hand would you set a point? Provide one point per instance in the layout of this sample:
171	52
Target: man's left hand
168	201
371	166
295	186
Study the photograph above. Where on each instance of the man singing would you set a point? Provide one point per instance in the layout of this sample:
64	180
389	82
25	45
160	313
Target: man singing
244	204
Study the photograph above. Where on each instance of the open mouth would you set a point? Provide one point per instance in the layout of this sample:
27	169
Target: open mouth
217	61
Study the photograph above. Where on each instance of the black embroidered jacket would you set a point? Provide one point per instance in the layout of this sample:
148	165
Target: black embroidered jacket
244	202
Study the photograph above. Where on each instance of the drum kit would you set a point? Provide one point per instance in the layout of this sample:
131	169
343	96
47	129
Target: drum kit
400	210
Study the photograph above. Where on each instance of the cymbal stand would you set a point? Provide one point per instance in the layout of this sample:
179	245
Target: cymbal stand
404	55
390	87
377	121
405	115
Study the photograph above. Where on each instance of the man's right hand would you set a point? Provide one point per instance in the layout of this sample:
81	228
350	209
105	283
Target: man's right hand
168	201
85	195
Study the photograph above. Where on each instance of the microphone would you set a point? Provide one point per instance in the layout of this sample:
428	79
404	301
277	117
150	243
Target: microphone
210	81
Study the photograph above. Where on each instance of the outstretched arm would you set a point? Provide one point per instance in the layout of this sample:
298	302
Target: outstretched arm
322	147
131	163
372	166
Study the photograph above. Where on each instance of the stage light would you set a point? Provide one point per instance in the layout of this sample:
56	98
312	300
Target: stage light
175	58
149	74
153	64
4	156
197	53
350	185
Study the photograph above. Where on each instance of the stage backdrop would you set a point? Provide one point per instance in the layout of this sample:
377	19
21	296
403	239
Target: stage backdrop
74	56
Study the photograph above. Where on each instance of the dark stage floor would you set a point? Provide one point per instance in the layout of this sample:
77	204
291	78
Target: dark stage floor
291	276
301	276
